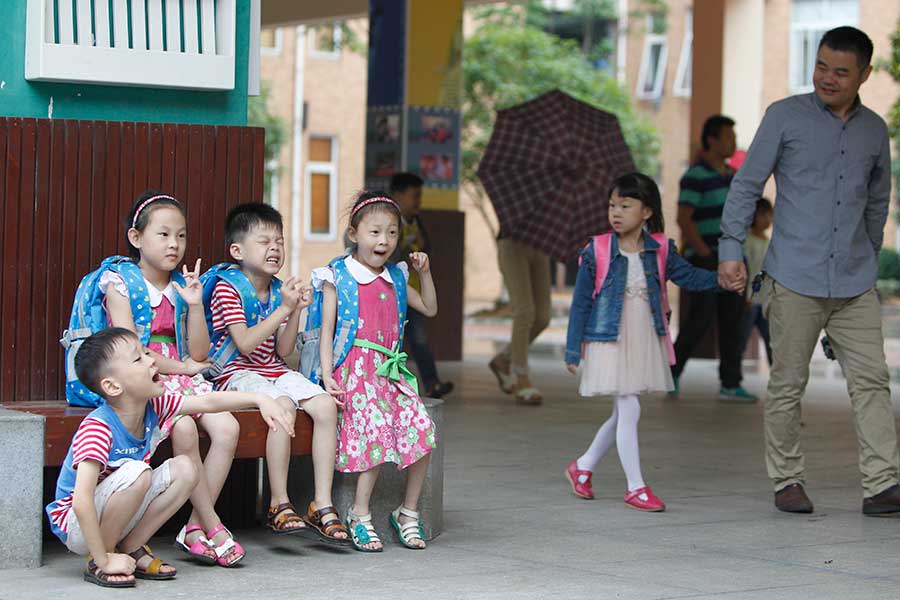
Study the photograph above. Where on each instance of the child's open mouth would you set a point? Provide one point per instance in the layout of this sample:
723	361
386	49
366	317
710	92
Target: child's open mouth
273	260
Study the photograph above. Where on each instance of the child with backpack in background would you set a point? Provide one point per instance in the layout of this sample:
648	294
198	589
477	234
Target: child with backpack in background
406	190
362	313
255	319
618	324
146	294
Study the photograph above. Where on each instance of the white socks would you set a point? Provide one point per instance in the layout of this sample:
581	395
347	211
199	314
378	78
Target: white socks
621	429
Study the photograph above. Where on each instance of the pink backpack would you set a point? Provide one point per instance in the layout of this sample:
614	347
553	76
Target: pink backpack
602	245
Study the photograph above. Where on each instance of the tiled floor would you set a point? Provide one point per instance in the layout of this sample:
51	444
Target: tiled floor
514	530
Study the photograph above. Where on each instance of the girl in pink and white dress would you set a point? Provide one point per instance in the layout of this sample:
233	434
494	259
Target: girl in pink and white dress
156	234
383	419
619	327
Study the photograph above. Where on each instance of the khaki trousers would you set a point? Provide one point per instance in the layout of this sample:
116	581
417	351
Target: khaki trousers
526	273
854	327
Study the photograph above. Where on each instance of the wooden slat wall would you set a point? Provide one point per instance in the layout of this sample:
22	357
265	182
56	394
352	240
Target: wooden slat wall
65	188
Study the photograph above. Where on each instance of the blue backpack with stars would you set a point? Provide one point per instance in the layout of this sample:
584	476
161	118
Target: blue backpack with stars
347	318
89	316
232	274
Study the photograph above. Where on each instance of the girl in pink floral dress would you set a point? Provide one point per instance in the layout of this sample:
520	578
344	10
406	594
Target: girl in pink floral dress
156	237
383	418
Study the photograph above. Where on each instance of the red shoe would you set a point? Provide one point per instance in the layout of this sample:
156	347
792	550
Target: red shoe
651	504
582	490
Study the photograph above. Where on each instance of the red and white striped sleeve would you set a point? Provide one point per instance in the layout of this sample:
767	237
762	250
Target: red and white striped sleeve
92	441
226	306
167	406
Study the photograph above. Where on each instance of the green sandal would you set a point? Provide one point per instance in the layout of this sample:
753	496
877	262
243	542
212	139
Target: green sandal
407	532
363	532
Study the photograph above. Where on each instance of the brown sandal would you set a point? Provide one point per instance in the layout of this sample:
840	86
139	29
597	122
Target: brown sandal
94	574
278	517
153	571
326	529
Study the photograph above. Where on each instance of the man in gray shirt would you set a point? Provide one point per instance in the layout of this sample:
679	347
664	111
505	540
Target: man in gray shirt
831	159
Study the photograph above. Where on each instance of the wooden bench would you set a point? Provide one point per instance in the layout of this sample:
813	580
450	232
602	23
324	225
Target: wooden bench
61	421
67	187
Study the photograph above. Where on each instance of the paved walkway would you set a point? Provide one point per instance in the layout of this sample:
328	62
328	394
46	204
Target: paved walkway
514	530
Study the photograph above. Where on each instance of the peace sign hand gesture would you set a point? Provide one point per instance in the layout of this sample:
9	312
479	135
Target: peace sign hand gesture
192	292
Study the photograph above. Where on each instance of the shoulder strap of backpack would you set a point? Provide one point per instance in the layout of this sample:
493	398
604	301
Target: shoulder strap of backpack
231	274
347	319
662	258
602	253
234	277
128	270
181	314
400	291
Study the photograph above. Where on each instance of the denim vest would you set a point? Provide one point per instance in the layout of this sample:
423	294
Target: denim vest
597	319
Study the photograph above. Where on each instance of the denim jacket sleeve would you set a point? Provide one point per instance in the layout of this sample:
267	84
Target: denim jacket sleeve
687	276
582	304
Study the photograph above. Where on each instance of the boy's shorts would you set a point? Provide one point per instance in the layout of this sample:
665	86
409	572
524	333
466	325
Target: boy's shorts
122	478
292	384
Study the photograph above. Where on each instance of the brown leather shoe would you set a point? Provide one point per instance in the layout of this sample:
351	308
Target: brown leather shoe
793	499
885	504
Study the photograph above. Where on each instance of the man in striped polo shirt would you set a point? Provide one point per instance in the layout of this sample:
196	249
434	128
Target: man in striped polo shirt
704	188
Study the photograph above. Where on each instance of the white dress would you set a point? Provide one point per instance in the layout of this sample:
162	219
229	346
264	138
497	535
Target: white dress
639	361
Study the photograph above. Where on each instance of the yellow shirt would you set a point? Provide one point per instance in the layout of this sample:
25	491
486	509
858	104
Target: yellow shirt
411	241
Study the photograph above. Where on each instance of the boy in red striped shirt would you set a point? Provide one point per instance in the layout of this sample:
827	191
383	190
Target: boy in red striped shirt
108	500
254	234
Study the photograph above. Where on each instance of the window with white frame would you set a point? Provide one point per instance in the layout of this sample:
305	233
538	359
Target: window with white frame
270	41
810	19
185	45
321	188
682	87
325	41
653	62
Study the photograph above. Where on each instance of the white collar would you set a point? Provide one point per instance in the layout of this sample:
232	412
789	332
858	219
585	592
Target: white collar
363	275
156	295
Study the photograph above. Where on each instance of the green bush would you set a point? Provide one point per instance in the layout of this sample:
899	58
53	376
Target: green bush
888	264
888	287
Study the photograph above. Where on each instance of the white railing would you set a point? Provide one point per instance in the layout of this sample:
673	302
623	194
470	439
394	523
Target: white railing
153	43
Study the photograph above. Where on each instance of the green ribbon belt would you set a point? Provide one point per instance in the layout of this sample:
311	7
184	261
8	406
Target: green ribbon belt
395	365
162	339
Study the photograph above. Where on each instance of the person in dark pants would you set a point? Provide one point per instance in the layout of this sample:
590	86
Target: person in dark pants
406	189
703	190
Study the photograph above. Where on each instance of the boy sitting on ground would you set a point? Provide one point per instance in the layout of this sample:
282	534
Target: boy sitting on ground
109	502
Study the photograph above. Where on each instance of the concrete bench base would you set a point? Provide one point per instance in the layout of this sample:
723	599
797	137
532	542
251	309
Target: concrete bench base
21	473
389	490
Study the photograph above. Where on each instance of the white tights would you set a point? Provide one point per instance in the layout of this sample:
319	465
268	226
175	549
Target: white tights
620	429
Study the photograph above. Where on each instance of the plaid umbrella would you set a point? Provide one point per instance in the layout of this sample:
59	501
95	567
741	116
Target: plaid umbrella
547	170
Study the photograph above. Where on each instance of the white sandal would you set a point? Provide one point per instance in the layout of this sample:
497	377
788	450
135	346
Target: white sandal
408	531
363	532
529	396
507	381
198	548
